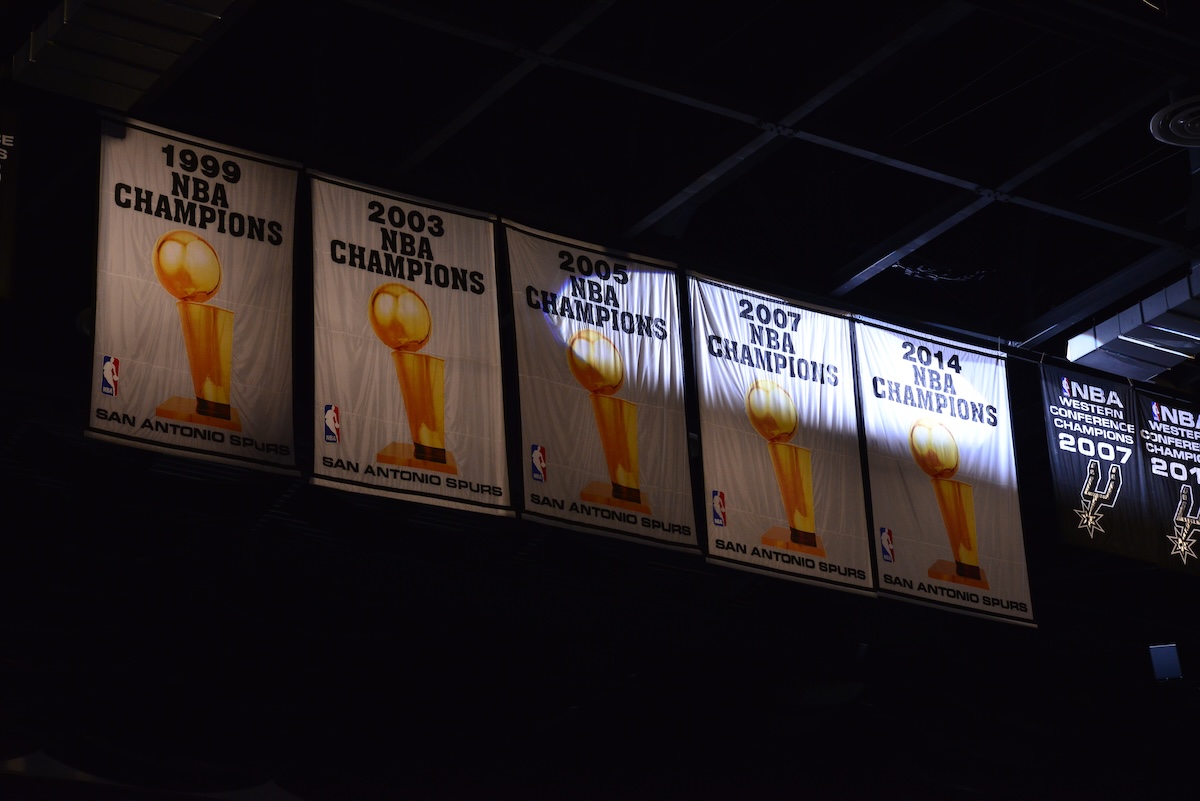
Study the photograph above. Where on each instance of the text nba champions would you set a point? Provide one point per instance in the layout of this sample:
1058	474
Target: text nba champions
771	348
592	299
405	250
199	197
932	388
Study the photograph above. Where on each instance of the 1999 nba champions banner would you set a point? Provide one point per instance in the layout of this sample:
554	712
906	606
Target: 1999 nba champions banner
193	342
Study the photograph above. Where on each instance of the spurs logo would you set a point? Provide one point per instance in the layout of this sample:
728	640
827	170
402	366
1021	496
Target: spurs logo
1187	526
1092	499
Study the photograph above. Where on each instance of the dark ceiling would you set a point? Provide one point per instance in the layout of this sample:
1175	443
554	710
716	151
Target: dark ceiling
988	167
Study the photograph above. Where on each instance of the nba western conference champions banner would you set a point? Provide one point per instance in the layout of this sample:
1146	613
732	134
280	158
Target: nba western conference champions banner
1096	463
942	472
1170	441
193	342
407	381
781	447
604	434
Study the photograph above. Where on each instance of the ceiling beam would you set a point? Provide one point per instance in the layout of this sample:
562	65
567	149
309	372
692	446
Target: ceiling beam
867	266
723	171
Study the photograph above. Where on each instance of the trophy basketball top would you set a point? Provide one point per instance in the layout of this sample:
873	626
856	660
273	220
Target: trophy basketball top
595	362
933	448
186	266
771	410
399	317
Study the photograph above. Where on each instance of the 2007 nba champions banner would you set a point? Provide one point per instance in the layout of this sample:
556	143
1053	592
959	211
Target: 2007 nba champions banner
782	474
942	472
193	339
407	378
601	370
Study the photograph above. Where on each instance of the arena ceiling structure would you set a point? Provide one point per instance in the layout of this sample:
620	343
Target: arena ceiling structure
1021	171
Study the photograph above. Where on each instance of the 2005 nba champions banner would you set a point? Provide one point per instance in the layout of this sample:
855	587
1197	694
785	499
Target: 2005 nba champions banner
942	472
604	438
193	339
407	377
782	474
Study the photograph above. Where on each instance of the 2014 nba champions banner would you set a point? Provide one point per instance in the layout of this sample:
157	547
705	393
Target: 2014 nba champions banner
193	338
601	372
942	472
778	422
407	378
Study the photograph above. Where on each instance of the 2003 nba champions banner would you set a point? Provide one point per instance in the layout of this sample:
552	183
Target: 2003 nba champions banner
942	472
782	474
193	340
604	438
407	381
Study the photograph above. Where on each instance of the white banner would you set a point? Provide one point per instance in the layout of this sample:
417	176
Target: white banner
193	341
407	381
942	472
778	426
604	437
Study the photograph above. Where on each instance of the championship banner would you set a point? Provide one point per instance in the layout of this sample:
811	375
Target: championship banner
604	434
193	341
407	384
1169	437
942	473
778	424
1096	463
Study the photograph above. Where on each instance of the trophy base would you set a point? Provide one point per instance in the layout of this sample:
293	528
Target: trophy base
601	492
781	537
404	455
180	408
946	570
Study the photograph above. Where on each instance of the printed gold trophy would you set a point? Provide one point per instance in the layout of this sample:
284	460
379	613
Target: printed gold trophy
935	451
188	268
773	415
401	320
597	366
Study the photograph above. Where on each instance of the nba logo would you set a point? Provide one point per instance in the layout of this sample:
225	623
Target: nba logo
886	545
538	454
718	509
333	424
108	375
1154	412
1066	388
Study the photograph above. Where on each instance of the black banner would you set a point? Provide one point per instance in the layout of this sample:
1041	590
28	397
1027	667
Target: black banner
1096	463
1169	440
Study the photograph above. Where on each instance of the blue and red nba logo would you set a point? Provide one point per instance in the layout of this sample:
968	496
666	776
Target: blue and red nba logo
1154	412
333	424
886	545
108	375
720	517
537	455
1066	387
